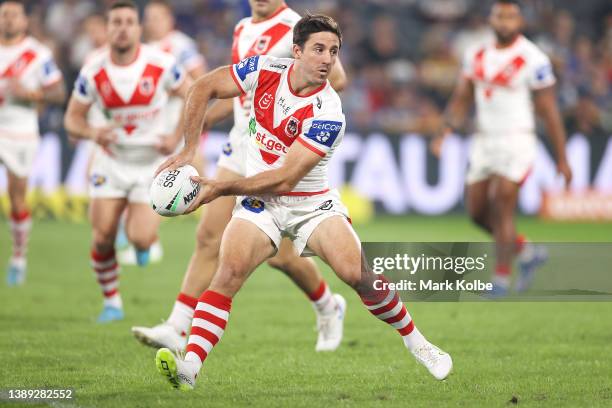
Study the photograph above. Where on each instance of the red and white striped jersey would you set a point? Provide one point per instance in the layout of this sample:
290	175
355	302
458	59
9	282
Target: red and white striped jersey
183	48
279	117
504	80
31	64
273	36
131	97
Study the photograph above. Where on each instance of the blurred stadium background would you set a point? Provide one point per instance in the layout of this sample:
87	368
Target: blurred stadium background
402	58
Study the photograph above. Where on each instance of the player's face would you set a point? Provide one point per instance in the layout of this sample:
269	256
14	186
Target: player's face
13	21
264	8
158	22
123	29
507	21
318	56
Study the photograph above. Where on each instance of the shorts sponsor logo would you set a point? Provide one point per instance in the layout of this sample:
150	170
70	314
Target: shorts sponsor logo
253	204
97	180
227	149
327	205
265	101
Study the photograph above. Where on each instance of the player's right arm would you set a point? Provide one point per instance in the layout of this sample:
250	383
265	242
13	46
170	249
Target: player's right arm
222	83
75	119
456	111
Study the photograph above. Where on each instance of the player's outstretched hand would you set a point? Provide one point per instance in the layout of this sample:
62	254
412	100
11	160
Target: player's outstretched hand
104	136
208	192
564	169
176	161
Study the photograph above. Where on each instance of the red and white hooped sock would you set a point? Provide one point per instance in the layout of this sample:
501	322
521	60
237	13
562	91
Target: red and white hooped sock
209	321
20	225
106	269
502	274
322	299
387	306
182	313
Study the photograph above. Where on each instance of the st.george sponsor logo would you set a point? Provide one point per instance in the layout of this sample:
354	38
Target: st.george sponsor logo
266	141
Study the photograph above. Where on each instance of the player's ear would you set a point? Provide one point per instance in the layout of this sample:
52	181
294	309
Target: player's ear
296	50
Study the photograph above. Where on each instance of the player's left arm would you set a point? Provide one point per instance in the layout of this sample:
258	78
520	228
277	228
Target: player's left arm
337	77
545	101
300	160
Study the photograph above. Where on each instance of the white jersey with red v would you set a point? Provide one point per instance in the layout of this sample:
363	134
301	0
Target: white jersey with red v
272	36
131	96
504	79
31	64
279	117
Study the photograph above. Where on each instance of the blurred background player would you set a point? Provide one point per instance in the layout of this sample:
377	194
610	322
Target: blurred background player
507	79
28	77
159	31
267	31
131	82
289	196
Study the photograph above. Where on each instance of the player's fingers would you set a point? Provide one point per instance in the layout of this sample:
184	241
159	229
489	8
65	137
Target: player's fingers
166	164
200	180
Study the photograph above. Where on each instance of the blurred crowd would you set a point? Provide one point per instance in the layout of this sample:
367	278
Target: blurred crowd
402	56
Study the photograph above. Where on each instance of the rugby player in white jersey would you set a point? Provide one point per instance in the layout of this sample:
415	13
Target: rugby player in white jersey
285	193
507	80
268	31
28	77
131	83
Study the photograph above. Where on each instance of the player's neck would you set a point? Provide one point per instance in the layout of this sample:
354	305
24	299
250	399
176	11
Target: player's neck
501	45
125	58
299	86
8	41
258	18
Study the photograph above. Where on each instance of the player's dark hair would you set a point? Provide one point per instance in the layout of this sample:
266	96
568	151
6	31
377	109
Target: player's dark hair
512	2
164	3
117	4
314	23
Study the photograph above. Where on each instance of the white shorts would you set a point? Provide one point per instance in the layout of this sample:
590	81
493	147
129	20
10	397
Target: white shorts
110	178
233	155
511	157
290	216
18	155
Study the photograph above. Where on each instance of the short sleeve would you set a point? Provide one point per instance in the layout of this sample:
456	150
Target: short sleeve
246	72
190	58
84	90
322	132
49	72
174	76
541	73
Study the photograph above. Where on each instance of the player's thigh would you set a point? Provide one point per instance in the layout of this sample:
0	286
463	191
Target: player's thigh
141	221
336	243
504	193
243	248
104	215
217	214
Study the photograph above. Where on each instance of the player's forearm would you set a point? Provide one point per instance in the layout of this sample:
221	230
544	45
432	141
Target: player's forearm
55	95
267	182
456	112
195	111
77	126
556	132
337	78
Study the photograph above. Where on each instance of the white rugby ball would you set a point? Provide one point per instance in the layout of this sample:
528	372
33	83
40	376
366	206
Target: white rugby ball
172	192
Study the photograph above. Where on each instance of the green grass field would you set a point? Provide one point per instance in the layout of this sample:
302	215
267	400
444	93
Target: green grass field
544	354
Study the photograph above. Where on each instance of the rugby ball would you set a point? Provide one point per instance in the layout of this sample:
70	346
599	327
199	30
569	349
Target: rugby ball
172	192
